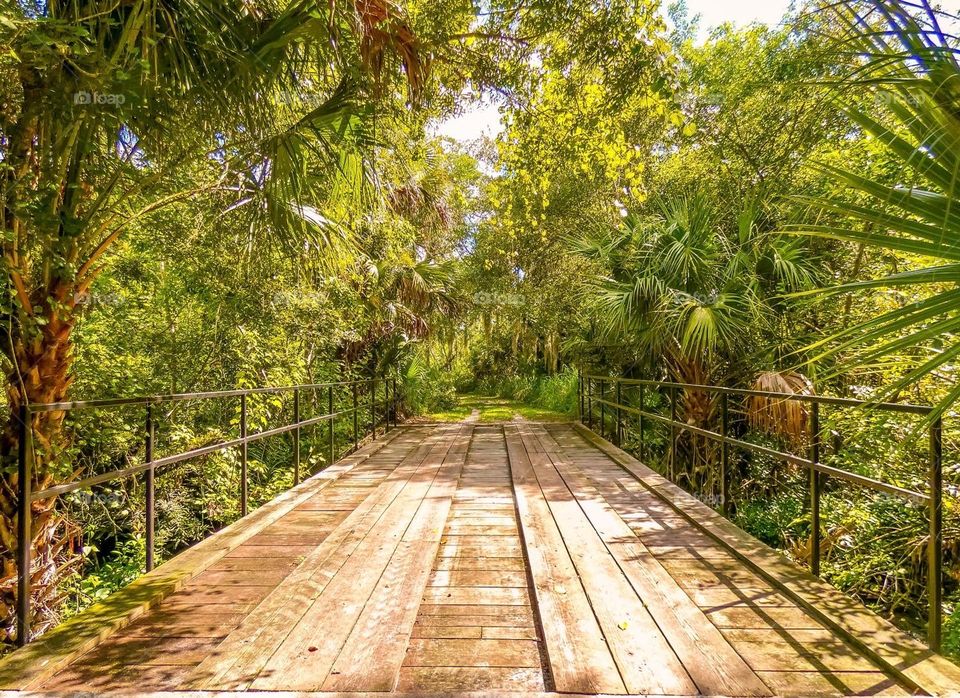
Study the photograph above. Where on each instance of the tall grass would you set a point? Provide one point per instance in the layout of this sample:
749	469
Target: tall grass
557	393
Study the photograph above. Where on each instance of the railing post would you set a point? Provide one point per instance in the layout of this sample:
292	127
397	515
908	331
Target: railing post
815	483
580	394
590	402
640	420
935	540
394	402
373	407
603	407
724	453
330	433
356	430
673	434
151	514
296	437
24	528
243	455
619	423
386	405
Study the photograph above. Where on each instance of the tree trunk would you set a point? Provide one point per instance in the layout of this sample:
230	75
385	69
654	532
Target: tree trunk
42	359
694	458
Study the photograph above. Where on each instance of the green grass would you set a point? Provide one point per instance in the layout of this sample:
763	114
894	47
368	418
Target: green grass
493	409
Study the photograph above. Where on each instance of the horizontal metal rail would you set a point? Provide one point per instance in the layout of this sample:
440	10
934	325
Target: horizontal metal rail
159	463
909	495
932	499
180	397
798	397
381	411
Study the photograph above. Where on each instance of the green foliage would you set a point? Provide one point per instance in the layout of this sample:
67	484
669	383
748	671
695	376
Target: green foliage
951	631
774	521
678	285
428	389
494	409
557	393
914	74
101	576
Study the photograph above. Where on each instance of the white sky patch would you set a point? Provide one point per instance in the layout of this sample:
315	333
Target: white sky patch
481	119
741	12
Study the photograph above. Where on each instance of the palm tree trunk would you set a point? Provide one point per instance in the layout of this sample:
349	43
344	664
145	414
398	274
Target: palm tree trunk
693	457
41	373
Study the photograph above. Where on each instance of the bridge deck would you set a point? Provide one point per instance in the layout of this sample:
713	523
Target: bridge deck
518	557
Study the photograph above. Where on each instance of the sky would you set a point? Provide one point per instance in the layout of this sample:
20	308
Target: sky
484	119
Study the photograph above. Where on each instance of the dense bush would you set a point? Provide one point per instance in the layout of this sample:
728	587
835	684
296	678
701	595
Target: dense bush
557	393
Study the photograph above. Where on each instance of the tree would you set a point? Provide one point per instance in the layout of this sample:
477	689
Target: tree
693	298
106	106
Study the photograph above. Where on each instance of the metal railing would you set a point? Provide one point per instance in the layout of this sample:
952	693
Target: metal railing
932	499
382	412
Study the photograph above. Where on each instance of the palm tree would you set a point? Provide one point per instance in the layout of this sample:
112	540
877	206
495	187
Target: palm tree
912	66
678	287
114	111
407	302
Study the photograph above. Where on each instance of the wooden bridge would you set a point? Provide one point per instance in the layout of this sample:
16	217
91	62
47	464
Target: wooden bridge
494	558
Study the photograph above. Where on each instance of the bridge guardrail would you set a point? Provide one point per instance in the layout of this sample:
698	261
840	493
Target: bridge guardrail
932	499
382	412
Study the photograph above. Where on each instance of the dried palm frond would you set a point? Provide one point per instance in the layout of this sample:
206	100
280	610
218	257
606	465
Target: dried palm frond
780	416
385	31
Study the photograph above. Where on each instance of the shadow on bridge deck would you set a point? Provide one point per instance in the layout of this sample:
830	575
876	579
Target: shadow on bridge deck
522	558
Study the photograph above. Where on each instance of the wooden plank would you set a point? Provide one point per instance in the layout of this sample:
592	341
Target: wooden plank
181	602
493	596
492	681
249	578
370	659
254	563
266	540
447	632
245	652
304	658
163	625
128	679
494	632
689	552
299	518
646	661
814	684
146	651
33	664
476	653
492	564
480	529
173	615
708	658
478	578
697	573
580	661
509	614
481	518
504	513
871	634
268	554
762	618
725	596
782	654
495	547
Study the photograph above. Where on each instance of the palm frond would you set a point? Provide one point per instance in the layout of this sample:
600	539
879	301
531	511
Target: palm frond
912	59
